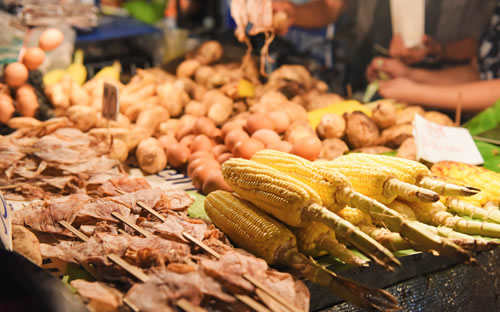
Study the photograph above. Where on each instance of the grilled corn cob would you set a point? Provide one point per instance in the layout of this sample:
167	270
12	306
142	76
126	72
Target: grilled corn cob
295	204
484	179
266	237
437	214
329	183
316	239
463	240
378	180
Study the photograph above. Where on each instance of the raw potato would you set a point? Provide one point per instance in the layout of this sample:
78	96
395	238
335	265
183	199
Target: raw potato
24	242
331	126
59	93
203	75
80	96
6	108
23	122
361	130
219	106
173	98
209	52
135	136
84	117
150	119
395	135
150	156
121	122
333	148
187	68
378	149
439	118
322	100
384	114
168	127
408	149
186	126
119	150
195	108
408	114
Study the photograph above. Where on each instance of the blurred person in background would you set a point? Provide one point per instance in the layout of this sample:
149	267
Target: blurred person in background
451	26
474	86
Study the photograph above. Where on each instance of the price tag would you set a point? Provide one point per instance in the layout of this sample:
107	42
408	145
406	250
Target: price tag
110	105
6	223
439	143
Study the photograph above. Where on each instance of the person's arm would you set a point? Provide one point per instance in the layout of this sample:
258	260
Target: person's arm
447	76
473	96
461	50
394	68
314	14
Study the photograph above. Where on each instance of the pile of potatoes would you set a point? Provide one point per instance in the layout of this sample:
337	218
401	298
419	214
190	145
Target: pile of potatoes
209	112
389	127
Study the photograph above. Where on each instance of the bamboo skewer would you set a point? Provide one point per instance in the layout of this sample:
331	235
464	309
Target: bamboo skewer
201	245
73	230
252	303
135	227
145	207
188	306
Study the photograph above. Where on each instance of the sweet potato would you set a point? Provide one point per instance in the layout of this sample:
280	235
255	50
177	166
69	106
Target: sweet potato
219	106
23	122
196	108
119	150
439	118
395	135
408	149
408	114
209	52
26	101
187	68
150	156
168	127
186	126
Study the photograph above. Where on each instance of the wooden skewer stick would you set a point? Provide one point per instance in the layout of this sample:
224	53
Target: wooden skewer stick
188	306
252	303
145	207
201	245
131	305
132	269
135	227
73	230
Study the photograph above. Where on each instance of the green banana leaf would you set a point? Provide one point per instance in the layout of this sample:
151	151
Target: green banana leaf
486	121
197	208
146	12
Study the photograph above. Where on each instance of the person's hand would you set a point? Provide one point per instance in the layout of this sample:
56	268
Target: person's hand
400	89
393	68
397	49
289	9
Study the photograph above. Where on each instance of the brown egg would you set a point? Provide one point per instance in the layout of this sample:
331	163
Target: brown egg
201	173
26	101
223	157
215	181
258	121
230	126
308	147
33	58
187	140
7	108
15	74
246	149
201	154
205	126
177	155
219	149
201	143
235	136
281	121
282	146
198	162
50	39
266	136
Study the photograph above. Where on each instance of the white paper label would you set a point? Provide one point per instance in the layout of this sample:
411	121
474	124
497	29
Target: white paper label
6	223
439	143
408	20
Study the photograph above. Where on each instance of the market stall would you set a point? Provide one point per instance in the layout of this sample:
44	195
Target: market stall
221	181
